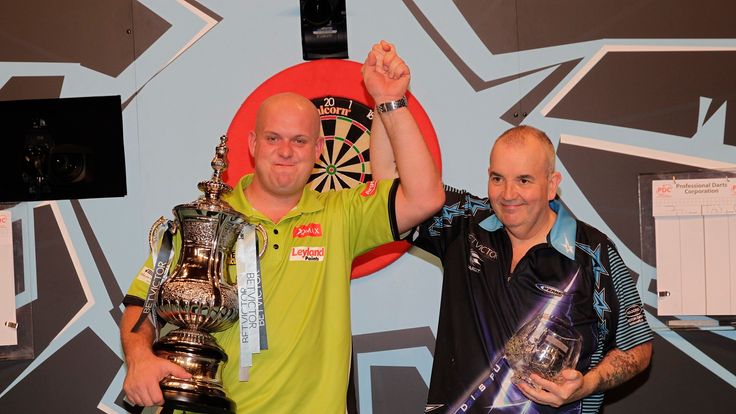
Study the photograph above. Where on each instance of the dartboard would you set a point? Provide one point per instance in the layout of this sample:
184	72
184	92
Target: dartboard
345	161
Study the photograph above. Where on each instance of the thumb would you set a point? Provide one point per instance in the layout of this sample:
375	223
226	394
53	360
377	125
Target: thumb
570	374
371	59
386	45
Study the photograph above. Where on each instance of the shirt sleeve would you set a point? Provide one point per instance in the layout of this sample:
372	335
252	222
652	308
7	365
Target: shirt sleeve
632	328
139	287
433	234
371	214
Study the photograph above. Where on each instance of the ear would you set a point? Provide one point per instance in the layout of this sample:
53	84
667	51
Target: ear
252	143
318	147
554	183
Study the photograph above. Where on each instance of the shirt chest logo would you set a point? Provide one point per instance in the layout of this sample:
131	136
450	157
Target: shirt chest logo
370	189
550	290
307	230
307	254
481	249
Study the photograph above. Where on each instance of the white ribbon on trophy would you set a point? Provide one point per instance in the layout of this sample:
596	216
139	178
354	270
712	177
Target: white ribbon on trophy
250	299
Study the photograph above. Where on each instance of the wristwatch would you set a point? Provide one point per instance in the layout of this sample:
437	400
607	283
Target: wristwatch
391	105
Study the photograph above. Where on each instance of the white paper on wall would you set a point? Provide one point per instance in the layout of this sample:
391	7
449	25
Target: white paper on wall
8	322
695	231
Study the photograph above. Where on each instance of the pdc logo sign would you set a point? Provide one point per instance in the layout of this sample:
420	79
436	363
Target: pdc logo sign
664	190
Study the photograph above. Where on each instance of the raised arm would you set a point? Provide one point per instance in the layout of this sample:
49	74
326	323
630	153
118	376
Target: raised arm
420	192
145	370
383	163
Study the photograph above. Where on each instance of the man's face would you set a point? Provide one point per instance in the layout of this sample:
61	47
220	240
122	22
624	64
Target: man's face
284	147
520	186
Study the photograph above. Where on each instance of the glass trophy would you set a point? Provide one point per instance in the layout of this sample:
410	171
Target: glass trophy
545	346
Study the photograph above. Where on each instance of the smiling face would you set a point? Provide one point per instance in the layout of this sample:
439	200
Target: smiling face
522	181
285	144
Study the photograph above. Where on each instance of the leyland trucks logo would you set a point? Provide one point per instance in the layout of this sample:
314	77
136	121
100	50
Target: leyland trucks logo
307	254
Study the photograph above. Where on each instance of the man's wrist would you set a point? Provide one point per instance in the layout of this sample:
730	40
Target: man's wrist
391	105
592	382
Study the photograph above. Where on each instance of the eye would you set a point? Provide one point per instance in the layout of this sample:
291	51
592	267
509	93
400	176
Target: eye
301	140
495	179
271	138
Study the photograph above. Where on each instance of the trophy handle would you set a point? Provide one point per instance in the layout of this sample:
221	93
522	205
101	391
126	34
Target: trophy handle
264	235
153	233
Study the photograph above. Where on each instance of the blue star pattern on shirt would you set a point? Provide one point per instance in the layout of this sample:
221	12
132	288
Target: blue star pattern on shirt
595	255
445	218
470	204
599	303
475	204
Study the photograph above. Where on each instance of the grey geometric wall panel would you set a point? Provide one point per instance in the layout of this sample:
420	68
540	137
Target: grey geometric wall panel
539	24
656	91
669	387
31	87
392	391
96	34
72	380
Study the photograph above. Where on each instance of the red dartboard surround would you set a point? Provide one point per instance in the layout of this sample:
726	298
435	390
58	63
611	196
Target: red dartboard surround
337	87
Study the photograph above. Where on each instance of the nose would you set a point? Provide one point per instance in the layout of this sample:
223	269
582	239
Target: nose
284	149
509	190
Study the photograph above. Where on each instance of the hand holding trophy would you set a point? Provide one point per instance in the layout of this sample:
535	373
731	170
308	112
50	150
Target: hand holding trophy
545	346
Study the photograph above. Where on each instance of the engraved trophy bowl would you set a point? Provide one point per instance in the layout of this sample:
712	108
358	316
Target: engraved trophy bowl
199	296
545	345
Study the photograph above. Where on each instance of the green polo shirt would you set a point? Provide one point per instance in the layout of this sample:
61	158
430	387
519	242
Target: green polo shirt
306	287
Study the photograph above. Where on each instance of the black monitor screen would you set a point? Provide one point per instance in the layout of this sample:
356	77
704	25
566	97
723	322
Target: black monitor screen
65	148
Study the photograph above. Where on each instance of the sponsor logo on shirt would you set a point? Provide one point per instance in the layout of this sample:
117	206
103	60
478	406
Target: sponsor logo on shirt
635	315
307	254
370	189
479	253
475	261
486	251
145	275
549	289
308	230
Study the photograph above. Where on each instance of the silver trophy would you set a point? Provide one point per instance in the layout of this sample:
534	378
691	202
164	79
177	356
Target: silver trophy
545	346
199	296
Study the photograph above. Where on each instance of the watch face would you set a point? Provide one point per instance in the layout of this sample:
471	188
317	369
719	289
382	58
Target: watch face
345	159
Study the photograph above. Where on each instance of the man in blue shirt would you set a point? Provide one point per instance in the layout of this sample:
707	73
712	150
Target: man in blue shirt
509	257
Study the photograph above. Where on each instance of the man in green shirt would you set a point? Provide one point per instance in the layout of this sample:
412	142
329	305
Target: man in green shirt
313	238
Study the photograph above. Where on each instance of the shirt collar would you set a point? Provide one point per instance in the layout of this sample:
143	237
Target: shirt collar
562	235
309	201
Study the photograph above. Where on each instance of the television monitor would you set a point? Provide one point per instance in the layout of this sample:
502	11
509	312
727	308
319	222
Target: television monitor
63	148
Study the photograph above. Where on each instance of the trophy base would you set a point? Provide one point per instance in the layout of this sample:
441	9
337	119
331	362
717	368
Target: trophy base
200	355
196	402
